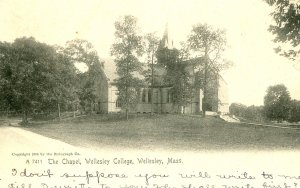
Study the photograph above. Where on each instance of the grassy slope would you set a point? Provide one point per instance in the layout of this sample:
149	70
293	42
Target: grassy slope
167	132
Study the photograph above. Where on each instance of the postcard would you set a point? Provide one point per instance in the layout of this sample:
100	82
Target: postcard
149	94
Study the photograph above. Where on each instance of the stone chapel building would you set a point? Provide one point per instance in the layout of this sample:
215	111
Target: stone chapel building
162	94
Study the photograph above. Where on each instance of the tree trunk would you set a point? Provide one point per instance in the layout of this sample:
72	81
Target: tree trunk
7	111
24	118
127	101
205	83
126	113
127	85
161	100
92	108
74	111
152	83
58	110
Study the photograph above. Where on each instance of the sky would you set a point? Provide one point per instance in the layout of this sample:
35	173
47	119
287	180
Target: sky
250	47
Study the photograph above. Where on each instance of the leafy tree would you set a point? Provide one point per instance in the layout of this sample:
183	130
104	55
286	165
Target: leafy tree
82	52
127	49
294	111
182	89
208	45
27	68
178	75
277	103
237	109
62	85
151	45
255	113
34	77
35	68
286	28
6	94
151	42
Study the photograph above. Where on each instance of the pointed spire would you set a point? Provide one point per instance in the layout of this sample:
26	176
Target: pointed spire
166	36
168	43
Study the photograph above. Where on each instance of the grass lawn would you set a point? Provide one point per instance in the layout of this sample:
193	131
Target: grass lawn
175	132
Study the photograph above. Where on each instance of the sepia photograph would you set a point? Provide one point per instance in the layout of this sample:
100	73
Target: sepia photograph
148	79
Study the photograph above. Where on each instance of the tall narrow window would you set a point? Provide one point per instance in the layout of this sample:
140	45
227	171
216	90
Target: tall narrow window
155	96
118	103
149	96
144	95
169	96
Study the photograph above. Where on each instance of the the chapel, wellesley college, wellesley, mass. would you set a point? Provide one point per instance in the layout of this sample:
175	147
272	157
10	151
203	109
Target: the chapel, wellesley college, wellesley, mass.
161	96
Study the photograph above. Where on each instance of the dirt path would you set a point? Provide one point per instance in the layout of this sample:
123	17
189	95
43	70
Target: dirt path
13	139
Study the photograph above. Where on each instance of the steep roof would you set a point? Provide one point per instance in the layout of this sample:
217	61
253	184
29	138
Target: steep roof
110	69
